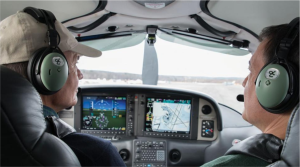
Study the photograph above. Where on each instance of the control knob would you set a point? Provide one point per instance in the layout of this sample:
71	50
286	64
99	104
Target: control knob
175	155
124	153
130	133
208	125
130	117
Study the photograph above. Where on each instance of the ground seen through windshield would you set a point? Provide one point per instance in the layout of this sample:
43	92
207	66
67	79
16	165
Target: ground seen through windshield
216	74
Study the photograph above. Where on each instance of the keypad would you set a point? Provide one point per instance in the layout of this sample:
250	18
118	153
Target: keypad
160	155
150	153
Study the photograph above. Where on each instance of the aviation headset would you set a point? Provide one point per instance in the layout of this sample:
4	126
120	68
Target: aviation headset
277	85
48	67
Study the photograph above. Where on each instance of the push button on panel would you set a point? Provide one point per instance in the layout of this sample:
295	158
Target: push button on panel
207	128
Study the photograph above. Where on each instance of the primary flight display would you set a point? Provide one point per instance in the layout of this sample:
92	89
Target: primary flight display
103	113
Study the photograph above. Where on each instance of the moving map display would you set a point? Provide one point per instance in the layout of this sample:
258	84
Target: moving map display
168	115
104	113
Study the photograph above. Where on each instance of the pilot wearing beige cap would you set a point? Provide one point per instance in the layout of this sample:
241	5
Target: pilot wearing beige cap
41	49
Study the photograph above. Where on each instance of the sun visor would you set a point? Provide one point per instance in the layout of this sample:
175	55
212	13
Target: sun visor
115	42
202	44
241	34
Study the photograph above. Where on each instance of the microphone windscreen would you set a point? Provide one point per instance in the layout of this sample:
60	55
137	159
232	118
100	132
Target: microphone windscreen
240	98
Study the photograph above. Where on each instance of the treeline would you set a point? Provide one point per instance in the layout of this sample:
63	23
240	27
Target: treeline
93	74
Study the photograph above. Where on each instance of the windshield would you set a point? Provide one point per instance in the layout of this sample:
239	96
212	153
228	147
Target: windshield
179	66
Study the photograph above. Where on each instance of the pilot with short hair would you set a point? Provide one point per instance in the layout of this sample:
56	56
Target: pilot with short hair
20	36
272	124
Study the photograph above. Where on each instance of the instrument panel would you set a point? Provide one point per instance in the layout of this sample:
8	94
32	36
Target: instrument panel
150	125
165	114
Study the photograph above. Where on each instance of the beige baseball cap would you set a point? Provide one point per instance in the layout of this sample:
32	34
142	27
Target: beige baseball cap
21	35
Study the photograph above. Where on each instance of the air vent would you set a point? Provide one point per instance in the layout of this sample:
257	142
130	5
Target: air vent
206	109
154	4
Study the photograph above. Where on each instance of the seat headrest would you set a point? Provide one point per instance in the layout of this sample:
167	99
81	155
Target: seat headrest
290	151
21	105
24	141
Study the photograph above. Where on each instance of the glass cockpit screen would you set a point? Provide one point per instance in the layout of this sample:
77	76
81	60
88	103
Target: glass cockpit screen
104	113
168	115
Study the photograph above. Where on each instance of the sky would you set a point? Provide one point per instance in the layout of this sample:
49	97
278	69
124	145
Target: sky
173	59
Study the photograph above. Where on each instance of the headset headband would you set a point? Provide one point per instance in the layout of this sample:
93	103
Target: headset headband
284	46
49	19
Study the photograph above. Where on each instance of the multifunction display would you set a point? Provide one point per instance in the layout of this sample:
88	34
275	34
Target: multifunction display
103	113
168	115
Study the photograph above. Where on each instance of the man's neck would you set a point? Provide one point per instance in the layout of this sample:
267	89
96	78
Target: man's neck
48	102
278	126
52	107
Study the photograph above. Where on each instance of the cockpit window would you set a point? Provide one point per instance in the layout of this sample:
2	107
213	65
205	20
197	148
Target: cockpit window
220	75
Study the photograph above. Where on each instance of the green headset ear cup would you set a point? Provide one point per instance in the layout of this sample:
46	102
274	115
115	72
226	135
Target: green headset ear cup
272	85
33	70
54	71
